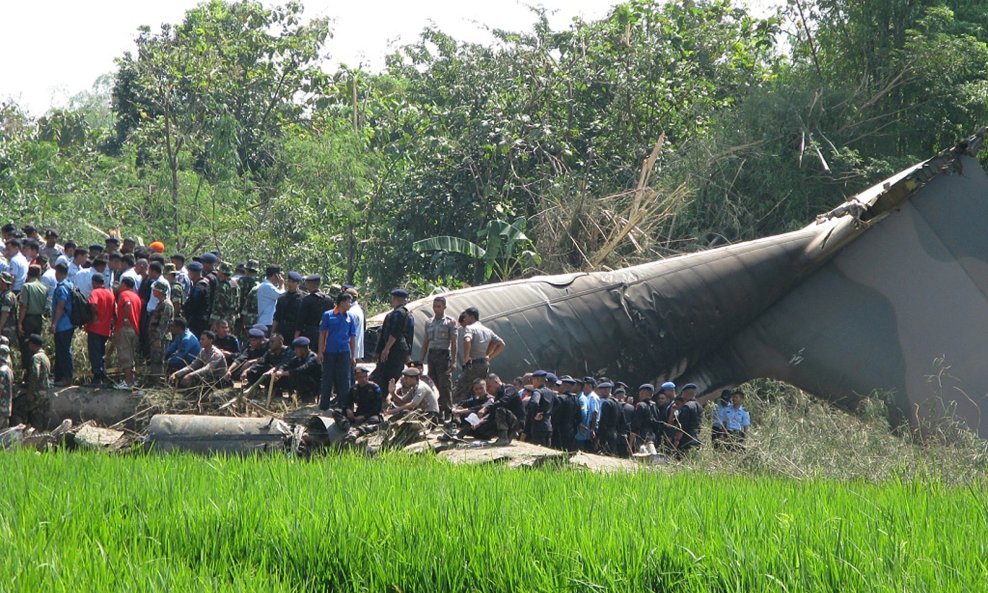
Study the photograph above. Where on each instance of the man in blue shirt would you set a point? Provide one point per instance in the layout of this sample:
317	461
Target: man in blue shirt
61	326
337	344
268	294
184	347
735	420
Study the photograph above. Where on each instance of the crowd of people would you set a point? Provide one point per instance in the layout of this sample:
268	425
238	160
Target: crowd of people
205	322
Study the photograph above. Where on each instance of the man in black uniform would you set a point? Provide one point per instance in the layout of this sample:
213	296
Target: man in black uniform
688	436
256	347
364	403
286	311
538	425
313	305
394	343
566	415
502	416
276	356
196	308
301	374
611	428
643	420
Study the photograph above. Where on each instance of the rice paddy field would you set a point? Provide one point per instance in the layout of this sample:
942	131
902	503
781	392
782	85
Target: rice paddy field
88	522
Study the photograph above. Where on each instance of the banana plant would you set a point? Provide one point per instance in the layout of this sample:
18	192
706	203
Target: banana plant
506	249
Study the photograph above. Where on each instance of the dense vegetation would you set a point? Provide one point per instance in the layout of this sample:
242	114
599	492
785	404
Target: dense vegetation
661	128
416	524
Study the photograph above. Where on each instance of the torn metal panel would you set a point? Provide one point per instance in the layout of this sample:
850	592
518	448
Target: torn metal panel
216	434
869	297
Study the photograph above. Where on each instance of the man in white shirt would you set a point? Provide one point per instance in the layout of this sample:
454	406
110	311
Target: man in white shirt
268	294
17	263
357	312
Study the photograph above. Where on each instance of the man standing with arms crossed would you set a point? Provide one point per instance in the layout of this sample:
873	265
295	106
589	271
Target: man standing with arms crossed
439	351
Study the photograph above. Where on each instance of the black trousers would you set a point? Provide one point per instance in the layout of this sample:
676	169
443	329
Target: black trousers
390	368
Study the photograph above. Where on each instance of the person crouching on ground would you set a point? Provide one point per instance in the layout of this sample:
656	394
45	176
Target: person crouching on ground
413	395
208	367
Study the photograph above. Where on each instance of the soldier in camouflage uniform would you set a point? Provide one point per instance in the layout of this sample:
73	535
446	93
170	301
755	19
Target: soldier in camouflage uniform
247	283
34	405
249	314
8	307
158	325
6	386
227	303
170	274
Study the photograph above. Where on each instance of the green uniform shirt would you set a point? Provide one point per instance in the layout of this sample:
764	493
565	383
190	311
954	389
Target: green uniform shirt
34	297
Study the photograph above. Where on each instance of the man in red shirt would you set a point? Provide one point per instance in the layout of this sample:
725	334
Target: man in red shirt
98	330
125	331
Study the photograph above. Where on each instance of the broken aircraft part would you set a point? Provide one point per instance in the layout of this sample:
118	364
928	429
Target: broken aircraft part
886	292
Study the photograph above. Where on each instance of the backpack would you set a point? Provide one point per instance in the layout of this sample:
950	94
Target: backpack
81	312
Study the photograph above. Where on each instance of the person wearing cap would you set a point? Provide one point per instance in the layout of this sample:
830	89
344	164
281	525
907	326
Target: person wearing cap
176	289
480	347
644	420
439	351
565	415
586	430
226	305
99	329
689	418
61	326
248	297
538	417
159	324
337	341
365	403
286	310
312	307
7	385
17	263
51	249
268	293
611	428
257	346
394	342
357	312
301	373
8	307
196	308
32	305
274	357
33	405
413	394
157	246
208	368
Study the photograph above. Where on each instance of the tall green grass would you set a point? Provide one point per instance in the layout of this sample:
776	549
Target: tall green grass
84	522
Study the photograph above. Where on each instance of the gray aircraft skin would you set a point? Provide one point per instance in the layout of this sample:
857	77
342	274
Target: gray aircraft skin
888	292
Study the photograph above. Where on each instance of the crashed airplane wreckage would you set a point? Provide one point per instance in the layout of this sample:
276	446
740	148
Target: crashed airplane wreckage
888	292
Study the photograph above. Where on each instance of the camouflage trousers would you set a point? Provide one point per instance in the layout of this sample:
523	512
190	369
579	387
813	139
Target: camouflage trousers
33	410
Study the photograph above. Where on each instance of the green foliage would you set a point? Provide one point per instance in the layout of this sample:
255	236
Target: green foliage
412	524
506	249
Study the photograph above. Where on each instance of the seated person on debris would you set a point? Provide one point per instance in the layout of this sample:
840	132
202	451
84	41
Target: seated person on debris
275	356
501	416
413	395
301	374
365	402
184	347
251	353
208	367
478	399
225	342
